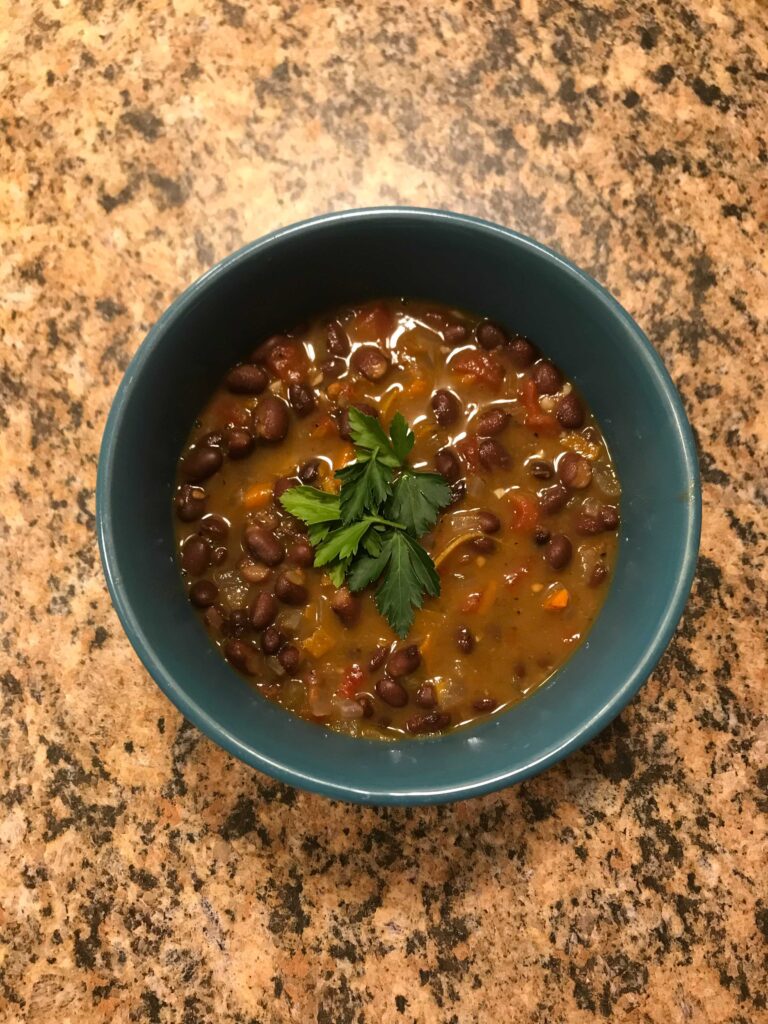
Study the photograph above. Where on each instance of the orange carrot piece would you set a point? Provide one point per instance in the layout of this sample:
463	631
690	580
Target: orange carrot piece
488	598
557	600
257	495
325	427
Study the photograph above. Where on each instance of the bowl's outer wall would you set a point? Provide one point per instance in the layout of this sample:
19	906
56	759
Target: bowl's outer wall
274	284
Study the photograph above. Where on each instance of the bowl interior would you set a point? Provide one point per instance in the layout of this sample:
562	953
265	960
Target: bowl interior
273	284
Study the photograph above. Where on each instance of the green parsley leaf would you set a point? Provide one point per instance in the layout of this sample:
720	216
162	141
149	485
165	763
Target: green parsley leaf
417	499
367	568
365	486
311	504
343	542
367	433
409	575
403	438
338	571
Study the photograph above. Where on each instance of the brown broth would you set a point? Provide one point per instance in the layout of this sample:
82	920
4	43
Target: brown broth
499	596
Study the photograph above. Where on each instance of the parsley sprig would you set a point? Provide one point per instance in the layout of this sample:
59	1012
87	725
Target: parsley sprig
370	530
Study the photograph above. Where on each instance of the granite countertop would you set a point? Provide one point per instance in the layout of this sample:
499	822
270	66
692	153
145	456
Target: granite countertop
146	876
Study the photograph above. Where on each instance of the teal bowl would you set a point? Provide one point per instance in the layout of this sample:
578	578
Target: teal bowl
359	254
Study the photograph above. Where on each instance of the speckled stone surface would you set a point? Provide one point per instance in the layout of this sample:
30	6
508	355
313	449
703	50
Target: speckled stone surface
145	875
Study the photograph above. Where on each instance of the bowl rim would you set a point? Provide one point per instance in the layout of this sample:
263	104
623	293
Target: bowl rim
580	733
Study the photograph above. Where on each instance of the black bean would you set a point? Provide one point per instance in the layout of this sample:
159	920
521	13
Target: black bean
559	551
189	502
263	610
236	623
309	471
371	361
455	334
378	658
332	368
426	696
271	420
392	692
485	704
432	721
589	524
522	352
448	465
458	492
252	572
552	499
547	377
195	555
346	605
215	526
541	470
213	439
246	379
609	517
367	705
289	657
465	640
302	399
570	412
338	342
302	554
237	653
491	422
203	593
264	545
214	618
446	407
283	484
574	471
219	555
363	407
490	335
541	535
488	521
201	463
290	588
239	443
436	319
271	640
492	453
403	661
485	545
263	351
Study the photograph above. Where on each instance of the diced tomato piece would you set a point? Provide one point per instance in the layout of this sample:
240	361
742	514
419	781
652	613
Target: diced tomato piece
287	360
373	322
535	417
352	682
471	603
474	366
525	511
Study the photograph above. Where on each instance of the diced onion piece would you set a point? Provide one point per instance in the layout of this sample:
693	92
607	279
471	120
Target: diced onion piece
349	709
455	543
605	479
